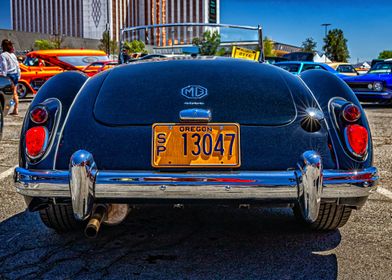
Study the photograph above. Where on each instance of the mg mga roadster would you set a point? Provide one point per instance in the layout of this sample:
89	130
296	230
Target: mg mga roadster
197	129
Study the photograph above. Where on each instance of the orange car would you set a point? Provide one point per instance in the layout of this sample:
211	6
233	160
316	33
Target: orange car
41	65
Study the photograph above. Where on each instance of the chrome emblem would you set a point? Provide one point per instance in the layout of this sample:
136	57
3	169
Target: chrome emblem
194	92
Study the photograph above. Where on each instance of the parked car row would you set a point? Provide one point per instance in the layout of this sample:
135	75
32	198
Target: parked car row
374	86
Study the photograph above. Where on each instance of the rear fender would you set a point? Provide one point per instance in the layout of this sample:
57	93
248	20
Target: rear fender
326	87
64	88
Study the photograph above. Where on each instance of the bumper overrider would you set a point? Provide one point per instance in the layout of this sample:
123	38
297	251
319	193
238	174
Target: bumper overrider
84	183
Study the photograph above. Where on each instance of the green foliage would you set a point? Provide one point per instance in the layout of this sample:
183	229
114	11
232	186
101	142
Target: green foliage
385	54
223	52
335	46
43	45
209	43
107	45
268	47
135	46
309	45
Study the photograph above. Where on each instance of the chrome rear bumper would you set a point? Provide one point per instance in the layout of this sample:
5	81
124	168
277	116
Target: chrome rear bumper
84	183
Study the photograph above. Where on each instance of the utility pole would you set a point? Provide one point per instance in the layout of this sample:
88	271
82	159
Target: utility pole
325	34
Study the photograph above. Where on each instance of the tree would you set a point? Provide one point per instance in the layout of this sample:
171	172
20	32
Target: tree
335	46
209	43
269	47
107	45
385	54
43	44
309	45
135	46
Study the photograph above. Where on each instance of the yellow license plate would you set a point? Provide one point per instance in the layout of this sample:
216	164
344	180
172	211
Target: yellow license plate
196	145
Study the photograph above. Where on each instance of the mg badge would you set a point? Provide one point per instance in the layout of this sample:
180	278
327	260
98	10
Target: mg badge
194	92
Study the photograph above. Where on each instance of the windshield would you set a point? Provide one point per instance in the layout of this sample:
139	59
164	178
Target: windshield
346	69
381	68
82	60
190	39
291	67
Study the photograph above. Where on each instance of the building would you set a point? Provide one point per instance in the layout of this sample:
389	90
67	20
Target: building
90	18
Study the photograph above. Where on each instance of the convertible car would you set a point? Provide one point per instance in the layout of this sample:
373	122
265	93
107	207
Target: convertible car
6	92
202	129
375	86
297	67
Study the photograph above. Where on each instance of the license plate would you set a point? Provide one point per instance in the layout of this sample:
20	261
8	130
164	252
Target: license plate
196	145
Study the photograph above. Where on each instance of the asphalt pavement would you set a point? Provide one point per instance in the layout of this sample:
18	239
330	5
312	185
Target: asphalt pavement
200	243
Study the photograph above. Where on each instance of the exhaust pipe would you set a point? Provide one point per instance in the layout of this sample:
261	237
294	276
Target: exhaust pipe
92	228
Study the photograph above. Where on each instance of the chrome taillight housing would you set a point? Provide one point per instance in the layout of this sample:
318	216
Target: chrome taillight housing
36	141
39	115
351	113
357	139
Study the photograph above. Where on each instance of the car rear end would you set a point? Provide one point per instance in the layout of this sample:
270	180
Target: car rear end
216	131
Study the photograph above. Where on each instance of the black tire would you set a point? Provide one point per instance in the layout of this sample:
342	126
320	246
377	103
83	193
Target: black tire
60	218
331	217
22	90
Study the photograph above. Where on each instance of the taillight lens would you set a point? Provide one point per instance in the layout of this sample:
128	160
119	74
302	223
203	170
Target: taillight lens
358	138
39	115
351	113
36	141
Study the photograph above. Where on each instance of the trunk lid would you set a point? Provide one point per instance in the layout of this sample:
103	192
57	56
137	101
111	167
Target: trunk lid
239	92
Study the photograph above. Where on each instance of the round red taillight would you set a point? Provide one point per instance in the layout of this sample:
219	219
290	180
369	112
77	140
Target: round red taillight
351	113
39	115
36	141
357	138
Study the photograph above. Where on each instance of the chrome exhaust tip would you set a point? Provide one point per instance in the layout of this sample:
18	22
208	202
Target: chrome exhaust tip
94	224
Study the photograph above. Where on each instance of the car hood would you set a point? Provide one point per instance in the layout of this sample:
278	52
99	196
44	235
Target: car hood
54	60
369	78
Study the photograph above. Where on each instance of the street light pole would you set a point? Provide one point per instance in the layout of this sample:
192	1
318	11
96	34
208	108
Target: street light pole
326	31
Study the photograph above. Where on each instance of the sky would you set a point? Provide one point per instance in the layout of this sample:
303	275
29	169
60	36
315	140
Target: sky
366	23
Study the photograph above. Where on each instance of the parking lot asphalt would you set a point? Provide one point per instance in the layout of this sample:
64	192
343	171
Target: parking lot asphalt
200	242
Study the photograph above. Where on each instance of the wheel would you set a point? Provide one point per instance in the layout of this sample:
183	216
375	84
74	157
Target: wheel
331	217
60	218
22	90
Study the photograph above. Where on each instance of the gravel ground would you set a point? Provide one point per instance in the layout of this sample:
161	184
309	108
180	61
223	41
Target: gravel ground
201	243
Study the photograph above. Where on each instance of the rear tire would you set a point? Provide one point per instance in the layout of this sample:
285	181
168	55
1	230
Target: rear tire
60	218
331	217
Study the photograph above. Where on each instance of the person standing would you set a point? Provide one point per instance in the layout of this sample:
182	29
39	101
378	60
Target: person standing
9	67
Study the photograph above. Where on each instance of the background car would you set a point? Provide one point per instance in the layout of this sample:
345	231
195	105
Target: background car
297	67
344	68
375	86
6	93
41	65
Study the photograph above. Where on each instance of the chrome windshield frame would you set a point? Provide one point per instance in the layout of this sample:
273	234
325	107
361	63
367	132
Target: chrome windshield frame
258	28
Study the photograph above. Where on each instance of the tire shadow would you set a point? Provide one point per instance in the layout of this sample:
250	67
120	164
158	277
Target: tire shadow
166	243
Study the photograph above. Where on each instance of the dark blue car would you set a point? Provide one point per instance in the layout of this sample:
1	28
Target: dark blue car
375	86
194	130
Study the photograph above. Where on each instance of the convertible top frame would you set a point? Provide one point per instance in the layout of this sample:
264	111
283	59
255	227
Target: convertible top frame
258	28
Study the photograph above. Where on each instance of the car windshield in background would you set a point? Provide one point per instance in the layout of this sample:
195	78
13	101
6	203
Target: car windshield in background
291	67
188	39
82	60
381	68
346	69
